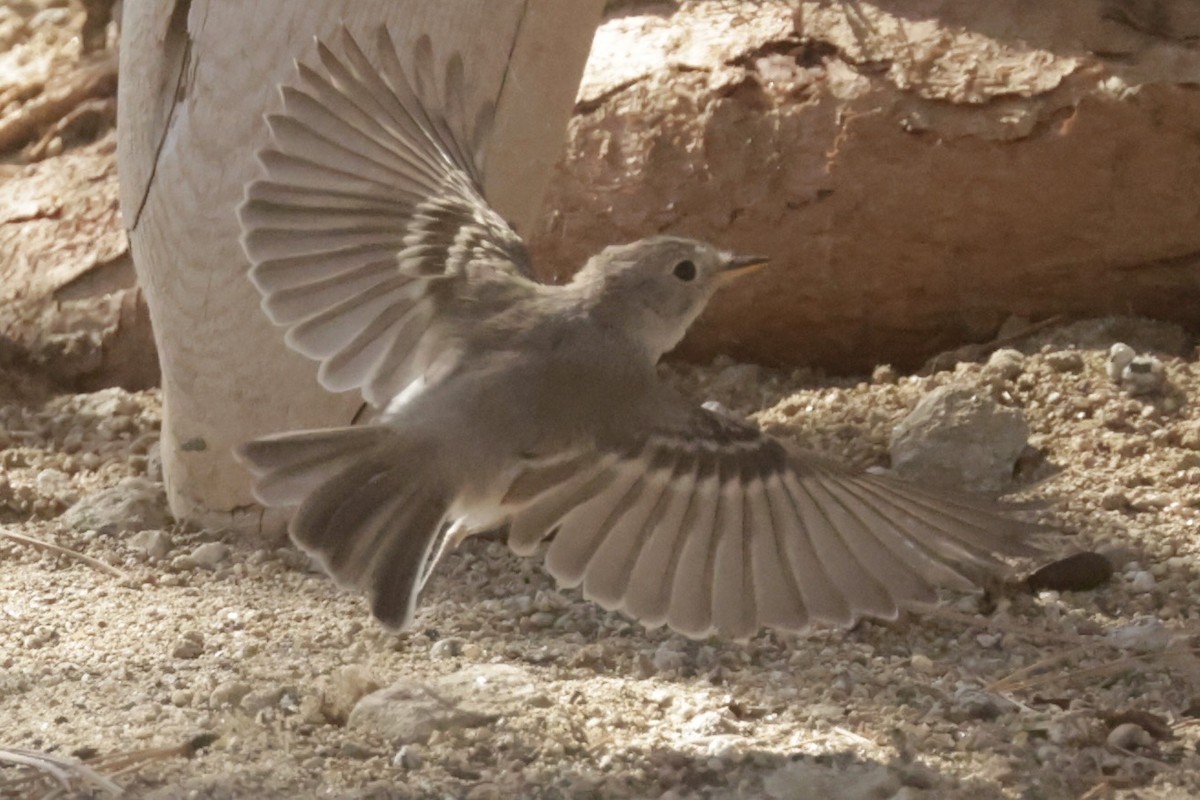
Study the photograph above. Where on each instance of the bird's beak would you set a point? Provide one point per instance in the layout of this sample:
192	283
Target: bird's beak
736	266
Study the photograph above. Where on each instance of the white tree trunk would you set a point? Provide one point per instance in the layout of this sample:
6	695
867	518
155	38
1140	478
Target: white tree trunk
196	79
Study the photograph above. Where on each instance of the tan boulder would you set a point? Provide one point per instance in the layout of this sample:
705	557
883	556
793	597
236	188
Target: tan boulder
919	171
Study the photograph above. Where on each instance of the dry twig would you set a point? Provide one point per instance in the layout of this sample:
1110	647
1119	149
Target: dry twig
60	768
64	551
95	772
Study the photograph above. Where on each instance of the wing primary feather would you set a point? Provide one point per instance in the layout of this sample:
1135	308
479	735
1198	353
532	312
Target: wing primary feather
403	140
970	535
329	331
358	362
608	571
266	201
864	593
733	606
690	579
362	83
292	135
423	74
778	598
301	173
354	132
650	574
908	546
539	518
292	272
409	95
822	596
584	529
454	108
297	303
892	573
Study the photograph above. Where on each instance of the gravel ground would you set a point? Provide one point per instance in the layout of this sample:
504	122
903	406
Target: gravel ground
215	664
507	687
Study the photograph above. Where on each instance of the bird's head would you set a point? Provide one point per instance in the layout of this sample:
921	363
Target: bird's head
655	288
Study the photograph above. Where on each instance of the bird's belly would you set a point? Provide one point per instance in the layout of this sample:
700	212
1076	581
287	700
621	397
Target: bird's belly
479	436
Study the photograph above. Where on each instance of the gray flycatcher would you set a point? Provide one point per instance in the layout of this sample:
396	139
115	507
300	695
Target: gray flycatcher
504	401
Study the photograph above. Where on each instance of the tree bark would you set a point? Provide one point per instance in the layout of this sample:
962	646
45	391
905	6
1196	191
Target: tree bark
196	79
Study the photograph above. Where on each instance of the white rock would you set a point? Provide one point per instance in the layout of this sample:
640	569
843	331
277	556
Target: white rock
410	711
228	694
959	438
209	555
55	483
805	780
1119	356
667	658
155	544
134	504
261	699
1142	581
1144	635
446	648
189	646
921	663
710	723
408	757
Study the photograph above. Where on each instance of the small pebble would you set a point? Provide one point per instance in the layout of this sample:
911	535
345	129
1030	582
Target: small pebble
408	757
484	791
1064	360
1142	581
1129	736
210	555
1146	635
154	544
1009	363
922	663
973	703
354	750
261	699
885	374
228	694
1144	375
446	648
1151	501
1119	356
667	658
189	646
1114	501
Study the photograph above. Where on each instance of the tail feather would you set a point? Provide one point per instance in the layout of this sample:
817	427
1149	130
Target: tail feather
289	466
370	512
399	568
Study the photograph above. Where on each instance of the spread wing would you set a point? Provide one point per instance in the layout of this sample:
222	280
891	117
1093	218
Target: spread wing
370	230
710	526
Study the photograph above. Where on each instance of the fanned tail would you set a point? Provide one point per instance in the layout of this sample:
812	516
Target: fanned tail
370	507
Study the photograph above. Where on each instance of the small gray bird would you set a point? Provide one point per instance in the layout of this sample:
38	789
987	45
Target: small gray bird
504	401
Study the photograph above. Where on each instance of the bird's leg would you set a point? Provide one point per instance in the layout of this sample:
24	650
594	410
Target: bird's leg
449	539
457	533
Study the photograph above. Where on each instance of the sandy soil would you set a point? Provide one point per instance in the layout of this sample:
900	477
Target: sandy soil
1041	696
208	664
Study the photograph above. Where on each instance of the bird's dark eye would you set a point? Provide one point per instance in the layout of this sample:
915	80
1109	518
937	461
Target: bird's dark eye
684	270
